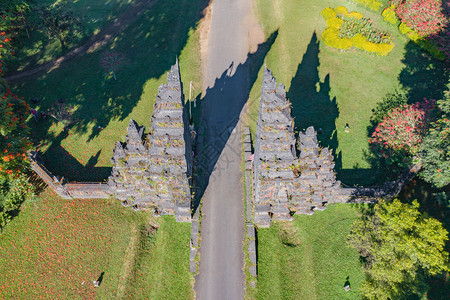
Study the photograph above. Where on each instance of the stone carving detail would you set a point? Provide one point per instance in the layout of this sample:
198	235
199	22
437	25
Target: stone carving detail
155	171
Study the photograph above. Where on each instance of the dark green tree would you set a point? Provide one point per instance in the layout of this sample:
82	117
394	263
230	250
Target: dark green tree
400	246
59	22
435	148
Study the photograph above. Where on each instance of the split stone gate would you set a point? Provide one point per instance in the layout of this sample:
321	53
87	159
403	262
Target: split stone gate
154	170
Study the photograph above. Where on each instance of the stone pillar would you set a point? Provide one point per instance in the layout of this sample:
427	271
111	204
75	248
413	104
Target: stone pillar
274	153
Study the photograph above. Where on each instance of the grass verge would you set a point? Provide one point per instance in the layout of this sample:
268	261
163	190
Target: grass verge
56	248
318	267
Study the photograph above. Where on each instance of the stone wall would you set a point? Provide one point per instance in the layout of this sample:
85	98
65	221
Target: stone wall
68	190
155	170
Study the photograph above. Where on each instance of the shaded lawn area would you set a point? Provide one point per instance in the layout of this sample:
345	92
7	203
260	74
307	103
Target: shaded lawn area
329	88
38	49
55	245
150	46
319	266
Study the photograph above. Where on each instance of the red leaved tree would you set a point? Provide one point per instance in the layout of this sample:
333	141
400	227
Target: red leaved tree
425	16
112	61
404	127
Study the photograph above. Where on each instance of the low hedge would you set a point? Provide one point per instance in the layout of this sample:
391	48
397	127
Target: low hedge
422	42
331	35
370	4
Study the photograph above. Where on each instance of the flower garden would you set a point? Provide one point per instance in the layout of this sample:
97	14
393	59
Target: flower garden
346	30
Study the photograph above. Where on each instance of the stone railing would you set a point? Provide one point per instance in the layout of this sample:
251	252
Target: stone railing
69	190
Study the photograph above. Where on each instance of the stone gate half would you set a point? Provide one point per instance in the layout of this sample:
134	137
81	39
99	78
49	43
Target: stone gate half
155	170
284	183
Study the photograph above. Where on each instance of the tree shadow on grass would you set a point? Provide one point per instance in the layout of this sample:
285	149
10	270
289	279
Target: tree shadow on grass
150	45
220	111
423	76
62	163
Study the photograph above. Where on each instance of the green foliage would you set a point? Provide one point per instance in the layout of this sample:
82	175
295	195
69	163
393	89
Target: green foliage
14	141
12	16
13	191
388	104
435	148
59	22
400	246
352	26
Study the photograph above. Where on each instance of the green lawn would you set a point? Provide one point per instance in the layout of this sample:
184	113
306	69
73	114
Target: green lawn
319	266
55	245
150	45
329	88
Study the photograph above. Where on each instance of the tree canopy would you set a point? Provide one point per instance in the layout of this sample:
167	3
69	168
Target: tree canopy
400	246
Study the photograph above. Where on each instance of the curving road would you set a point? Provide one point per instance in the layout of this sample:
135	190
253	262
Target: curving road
222	228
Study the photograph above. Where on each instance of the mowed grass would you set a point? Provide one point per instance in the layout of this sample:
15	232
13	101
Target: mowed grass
319	266
329	88
55	249
150	46
162	270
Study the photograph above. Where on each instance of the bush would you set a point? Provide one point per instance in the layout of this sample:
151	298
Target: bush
13	191
390	16
435	148
331	38
328	13
404	128
424	16
390	102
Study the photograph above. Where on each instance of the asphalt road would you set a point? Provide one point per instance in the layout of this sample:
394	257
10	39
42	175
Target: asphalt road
222	227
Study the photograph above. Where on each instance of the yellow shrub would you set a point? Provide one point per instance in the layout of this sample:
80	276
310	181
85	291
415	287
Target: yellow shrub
389	15
380	49
358	41
355	15
328	13
340	10
334	22
331	39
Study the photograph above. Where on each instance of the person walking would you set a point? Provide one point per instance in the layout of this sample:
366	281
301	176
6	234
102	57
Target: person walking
34	113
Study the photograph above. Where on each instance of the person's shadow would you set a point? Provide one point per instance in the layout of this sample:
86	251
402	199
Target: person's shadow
347	283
